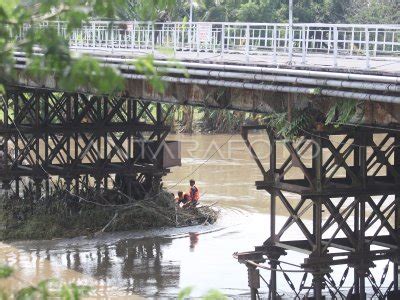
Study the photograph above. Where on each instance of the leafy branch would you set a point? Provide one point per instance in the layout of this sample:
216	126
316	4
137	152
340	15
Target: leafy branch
45	289
301	120
342	112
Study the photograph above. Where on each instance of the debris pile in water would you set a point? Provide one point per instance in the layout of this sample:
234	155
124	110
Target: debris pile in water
64	215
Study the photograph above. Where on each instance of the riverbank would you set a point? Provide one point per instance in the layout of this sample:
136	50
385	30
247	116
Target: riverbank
63	215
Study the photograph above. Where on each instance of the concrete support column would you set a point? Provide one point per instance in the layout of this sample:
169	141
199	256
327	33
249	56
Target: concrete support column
254	280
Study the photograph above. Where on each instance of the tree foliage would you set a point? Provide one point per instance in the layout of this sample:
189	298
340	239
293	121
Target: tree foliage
328	11
301	121
46	289
47	52
374	11
21	30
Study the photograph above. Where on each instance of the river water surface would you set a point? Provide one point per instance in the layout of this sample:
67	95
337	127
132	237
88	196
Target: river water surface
159	263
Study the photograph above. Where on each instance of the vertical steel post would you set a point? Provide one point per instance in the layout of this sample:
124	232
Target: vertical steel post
362	226
159	118
352	41
222	40
357	161
376	41
274	43
153	37
6	125
105	138
304	45
16	147
94	34
174	37
68	136
46	141
290	31
397	211
335	46
75	100
317	214
190	24
197	40
112	39
247	46
37	180
367	54
273	238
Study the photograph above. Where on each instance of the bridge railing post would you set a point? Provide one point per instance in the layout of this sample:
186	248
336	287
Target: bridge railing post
94	34
112	39
174	37
153	36
290	36
304	44
367	54
335	46
132	32
247	46
376	41
274	41
222	40
197	40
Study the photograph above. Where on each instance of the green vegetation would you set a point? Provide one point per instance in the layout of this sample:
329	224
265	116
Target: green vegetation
301	120
210	295
341	112
325	11
46	289
53	289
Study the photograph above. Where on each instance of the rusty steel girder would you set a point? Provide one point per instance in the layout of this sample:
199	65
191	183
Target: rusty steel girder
348	183
106	141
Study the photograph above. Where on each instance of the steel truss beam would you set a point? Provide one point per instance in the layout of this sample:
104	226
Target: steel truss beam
111	141
348	183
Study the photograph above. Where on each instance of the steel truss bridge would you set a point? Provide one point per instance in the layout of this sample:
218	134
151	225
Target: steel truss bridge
351	186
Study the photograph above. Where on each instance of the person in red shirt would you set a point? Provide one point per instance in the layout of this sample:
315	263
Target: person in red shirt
182	198
194	193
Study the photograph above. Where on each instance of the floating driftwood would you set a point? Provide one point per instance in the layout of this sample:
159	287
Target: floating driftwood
63	214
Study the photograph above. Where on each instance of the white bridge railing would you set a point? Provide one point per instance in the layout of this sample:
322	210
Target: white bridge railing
334	41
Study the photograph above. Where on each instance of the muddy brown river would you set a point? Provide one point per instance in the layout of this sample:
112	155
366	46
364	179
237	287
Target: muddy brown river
159	263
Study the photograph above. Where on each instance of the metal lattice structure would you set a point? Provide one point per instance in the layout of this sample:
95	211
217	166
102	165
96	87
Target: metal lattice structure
108	141
349	188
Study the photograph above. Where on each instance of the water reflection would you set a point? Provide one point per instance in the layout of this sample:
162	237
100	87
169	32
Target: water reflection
133	265
194	239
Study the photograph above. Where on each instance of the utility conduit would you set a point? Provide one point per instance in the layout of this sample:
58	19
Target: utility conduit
254	69
275	88
274	78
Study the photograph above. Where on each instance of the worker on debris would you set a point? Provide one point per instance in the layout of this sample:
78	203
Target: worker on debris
194	193
182	198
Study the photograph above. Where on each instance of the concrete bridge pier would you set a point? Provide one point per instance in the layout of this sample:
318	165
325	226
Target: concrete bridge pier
70	140
347	182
